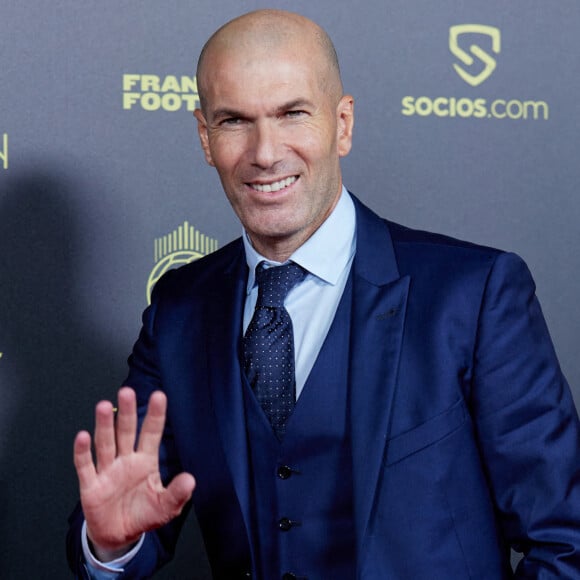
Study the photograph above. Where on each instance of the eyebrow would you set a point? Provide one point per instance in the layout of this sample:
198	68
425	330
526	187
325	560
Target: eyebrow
295	104
225	113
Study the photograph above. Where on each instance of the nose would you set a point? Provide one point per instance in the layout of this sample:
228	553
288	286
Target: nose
266	146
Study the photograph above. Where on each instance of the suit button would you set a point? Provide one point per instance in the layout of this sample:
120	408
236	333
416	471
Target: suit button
284	524
284	472
289	576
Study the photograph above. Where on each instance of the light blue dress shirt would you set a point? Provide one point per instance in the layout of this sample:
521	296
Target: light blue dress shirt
327	256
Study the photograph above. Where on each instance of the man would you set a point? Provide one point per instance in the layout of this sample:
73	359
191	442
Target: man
432	430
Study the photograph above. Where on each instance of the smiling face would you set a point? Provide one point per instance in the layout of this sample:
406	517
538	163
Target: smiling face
274	125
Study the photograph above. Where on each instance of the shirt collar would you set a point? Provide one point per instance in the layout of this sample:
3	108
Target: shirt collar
325	254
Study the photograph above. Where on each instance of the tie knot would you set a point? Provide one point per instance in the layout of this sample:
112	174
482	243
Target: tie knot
274	283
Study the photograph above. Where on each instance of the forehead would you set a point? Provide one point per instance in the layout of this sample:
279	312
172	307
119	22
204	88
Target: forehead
236	79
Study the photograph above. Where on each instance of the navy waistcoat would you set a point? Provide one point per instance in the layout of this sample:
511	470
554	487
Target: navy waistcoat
302	494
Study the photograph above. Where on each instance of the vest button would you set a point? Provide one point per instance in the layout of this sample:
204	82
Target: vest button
289	576
284	472
284	524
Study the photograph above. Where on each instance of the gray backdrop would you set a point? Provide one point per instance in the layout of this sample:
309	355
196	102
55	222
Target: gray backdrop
99	165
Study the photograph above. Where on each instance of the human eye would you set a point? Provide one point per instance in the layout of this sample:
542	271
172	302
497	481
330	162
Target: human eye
230	121
227	119
294	113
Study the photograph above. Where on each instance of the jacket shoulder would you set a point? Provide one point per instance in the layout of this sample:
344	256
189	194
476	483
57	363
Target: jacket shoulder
418	248
202	272
405	236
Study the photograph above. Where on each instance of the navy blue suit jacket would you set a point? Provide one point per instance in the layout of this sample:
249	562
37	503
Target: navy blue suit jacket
464	435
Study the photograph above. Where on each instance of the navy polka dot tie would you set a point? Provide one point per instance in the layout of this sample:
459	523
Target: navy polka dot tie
269	344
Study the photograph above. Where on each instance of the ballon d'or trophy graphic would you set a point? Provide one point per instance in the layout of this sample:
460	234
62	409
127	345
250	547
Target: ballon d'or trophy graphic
185	244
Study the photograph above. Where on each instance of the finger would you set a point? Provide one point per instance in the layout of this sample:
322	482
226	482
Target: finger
83	459
153	425
126	421
177	494
105	447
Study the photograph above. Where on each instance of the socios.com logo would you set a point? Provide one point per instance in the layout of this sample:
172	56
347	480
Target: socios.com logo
476	64
469	30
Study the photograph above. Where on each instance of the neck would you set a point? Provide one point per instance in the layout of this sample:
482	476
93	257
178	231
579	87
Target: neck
280	248
275	249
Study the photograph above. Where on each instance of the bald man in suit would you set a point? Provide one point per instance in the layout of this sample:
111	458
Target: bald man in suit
432	429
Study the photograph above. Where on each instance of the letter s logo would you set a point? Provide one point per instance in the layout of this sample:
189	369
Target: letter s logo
466	58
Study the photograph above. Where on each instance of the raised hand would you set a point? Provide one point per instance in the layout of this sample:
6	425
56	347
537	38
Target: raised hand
122	495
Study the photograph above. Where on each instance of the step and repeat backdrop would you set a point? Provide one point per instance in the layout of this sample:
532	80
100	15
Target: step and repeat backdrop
467	123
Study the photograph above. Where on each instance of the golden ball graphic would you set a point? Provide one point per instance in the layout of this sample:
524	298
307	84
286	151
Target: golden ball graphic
170	261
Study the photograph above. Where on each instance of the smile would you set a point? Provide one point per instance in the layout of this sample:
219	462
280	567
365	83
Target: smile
275	186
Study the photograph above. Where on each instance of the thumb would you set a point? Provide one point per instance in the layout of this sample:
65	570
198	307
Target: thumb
177	494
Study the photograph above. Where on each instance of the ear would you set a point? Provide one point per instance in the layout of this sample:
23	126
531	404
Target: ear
203	136
345	123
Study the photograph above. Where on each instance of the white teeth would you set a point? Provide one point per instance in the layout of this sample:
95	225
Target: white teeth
276	186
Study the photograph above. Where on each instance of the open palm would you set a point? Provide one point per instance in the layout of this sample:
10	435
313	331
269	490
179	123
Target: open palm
122	494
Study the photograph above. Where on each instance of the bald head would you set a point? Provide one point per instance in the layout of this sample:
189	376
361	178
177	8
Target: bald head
271	32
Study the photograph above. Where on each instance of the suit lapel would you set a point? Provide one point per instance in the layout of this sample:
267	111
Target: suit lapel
223	327
378	315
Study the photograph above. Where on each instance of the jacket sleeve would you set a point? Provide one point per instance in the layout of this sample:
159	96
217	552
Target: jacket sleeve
527	425
159	545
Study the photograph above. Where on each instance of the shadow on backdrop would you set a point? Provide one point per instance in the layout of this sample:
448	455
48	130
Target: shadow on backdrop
52	371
